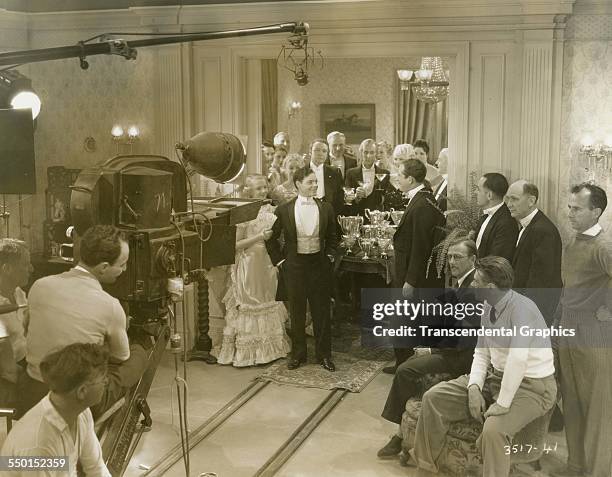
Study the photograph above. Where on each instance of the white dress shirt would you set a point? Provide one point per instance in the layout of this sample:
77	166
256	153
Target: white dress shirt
593	231
369	175
412	192
318	170
462	279
516	356
339	163
307	225
525	221
489	212
44	432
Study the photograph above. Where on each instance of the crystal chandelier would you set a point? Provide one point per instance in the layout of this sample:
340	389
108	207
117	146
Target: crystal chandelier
431	85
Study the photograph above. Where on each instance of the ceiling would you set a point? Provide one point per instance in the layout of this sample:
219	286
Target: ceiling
75	5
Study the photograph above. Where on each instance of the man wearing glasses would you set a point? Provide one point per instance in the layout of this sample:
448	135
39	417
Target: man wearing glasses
447	357
60	428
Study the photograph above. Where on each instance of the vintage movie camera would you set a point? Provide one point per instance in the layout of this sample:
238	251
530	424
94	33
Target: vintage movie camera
170	238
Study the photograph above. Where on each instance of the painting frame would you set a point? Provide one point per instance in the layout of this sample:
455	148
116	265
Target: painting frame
356	120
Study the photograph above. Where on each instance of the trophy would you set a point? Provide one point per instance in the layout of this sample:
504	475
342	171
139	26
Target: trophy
396	216
384	244
366	246
350	225
349	195
376	217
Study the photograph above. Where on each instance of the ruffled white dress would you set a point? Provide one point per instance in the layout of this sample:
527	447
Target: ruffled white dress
254	330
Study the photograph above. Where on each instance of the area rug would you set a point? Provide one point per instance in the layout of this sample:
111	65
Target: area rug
355	366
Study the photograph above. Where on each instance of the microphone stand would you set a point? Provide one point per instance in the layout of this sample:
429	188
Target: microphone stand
127	49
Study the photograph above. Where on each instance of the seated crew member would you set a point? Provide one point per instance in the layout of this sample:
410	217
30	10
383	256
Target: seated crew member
61	424
15	269
511	382
451	359
72	307
363	178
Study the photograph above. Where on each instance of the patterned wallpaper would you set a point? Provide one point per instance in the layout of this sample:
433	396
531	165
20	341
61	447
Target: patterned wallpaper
86	103
587	101
342	80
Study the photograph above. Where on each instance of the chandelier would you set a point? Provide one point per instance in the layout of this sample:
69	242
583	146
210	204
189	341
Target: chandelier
431	83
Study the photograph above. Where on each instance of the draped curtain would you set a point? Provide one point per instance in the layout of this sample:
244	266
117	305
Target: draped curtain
269	99
415	119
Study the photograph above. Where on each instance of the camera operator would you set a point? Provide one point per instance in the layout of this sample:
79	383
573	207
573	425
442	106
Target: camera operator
61	425
72	307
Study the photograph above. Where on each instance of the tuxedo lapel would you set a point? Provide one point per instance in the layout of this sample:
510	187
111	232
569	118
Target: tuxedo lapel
291	218
322	220
527	231
409	207
490	225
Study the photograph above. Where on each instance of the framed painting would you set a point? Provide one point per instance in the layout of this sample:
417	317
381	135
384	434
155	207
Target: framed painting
356	121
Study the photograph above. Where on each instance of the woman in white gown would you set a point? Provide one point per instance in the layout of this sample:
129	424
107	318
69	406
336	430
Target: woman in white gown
254	330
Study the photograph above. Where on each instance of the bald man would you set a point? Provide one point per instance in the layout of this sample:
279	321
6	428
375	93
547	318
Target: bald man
338	156
537	257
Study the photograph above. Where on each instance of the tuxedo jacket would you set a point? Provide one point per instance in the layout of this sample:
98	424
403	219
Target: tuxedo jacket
349	163
440	192
415	238
285	226
537	265
334	194
500	236
374	200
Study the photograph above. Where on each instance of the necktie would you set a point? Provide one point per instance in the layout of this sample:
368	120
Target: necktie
492	315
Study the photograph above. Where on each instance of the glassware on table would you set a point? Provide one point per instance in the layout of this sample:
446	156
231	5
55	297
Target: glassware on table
349	240
350	224
376	217
366	246
396	216
384	244
349	195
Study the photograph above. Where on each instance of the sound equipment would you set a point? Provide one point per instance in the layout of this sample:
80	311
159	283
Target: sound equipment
17	171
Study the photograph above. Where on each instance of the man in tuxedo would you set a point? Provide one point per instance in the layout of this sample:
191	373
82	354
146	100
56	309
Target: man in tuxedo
337	153
447	358
308	228
497	231
329	179
537	258
370	193
414	239
440	192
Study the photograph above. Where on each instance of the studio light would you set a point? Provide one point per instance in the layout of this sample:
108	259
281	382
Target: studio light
218	156
16	92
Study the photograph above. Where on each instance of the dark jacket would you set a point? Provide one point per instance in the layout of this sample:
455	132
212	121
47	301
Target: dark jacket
285	225
415	238
349	163
374	200
440	193
537	265
500	236
334	194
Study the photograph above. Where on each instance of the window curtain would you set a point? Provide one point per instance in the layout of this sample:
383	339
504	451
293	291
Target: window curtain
269	99
415	119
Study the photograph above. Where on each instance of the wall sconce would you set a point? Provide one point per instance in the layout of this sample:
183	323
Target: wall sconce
598	157
294	108
121	137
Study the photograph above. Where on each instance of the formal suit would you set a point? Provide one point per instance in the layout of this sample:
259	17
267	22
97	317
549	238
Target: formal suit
440	195
333	183
456	360
537	265
499	238
308	276
414	240
349	163
374	201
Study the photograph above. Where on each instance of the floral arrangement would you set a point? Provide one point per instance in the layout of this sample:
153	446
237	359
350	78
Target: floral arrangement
462	218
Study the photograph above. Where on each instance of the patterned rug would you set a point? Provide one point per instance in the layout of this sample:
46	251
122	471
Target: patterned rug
355	366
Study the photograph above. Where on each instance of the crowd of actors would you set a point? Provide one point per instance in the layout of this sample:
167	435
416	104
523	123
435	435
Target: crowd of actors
54	371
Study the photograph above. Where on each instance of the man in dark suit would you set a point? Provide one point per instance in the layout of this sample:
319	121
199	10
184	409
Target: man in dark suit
308	228
338	157
415	238
329	179
449	357
537	258
497	231
370	193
